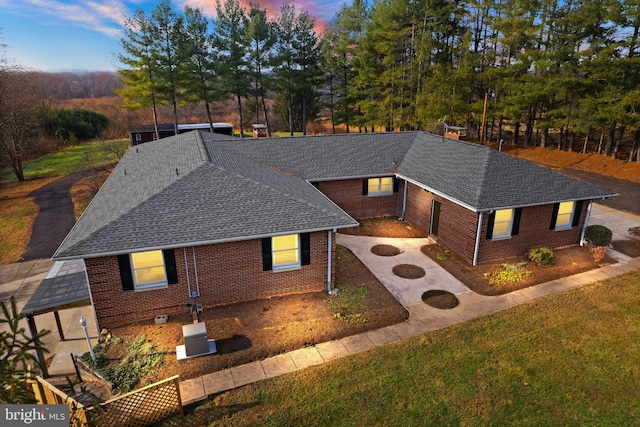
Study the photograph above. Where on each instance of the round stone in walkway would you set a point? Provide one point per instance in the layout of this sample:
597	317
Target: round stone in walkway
385	250
443	300
408	271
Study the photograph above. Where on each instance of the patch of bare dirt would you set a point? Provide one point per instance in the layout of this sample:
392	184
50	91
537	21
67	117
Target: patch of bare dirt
385	250
254	330
438	298
408	271
389	226
567	262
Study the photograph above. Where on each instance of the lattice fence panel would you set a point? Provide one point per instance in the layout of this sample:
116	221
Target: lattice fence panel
143	406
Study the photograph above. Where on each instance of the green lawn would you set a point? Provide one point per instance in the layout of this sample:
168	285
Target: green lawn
71	159
569	359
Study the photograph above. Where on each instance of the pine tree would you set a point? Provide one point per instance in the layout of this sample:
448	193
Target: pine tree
230	39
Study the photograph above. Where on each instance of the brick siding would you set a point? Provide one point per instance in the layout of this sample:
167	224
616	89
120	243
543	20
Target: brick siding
227	272
348	195
534	231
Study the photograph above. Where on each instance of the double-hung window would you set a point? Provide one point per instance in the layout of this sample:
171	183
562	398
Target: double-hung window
380	186
503	221
285	251
564	218
148	269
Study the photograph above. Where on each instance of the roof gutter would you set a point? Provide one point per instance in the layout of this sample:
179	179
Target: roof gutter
344	178
202	243
439	193
549	203
478	234
586	221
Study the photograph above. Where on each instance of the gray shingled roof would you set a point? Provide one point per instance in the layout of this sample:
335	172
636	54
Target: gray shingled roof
223	199
475	176
237	189
327	156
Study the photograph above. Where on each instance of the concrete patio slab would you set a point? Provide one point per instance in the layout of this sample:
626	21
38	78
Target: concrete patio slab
332	350
278	365
306	357
217	382
247	374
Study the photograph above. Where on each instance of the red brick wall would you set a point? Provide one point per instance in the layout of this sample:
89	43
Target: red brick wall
348	195
534	231
227	272
458	225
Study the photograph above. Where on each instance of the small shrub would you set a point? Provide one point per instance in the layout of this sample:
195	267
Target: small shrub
541	256
443	256
598	235
510	273
598	253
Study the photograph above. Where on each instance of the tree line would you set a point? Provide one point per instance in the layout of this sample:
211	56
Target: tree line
539	68
180	57
543	70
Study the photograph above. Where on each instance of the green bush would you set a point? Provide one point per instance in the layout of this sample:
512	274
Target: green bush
598	235
541	256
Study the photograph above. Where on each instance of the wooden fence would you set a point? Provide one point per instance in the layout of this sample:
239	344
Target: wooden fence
140	407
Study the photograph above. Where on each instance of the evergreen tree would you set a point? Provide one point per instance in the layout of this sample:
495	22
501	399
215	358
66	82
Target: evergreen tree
262	37
230	39
202	82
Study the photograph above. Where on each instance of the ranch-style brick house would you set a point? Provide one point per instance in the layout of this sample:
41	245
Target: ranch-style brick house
215	219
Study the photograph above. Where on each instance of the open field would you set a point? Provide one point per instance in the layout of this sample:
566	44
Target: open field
568	359
69	160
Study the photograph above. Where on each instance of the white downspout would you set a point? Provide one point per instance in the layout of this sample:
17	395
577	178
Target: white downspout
477	248
586	222
404	200
329	262
186	269
195	269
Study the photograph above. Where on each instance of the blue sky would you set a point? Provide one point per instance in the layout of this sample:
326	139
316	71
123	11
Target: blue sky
55	35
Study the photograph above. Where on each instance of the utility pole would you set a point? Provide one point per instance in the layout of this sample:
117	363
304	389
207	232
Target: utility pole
484	118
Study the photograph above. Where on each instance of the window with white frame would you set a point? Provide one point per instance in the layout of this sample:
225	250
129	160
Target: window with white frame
503	221
565	215
285	251
148	269
138	137
380	186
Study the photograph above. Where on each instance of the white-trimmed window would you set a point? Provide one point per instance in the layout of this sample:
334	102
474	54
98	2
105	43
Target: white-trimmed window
380	186
138	138
285	251
503	221
148	269
564	218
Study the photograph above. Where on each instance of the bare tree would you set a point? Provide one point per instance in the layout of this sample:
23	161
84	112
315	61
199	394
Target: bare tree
20	115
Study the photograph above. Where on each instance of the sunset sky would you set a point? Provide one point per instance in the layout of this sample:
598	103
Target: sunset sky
60	35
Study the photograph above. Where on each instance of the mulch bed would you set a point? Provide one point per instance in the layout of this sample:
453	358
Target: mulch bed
385	250
568	261
408	271
254	330
440	299
390	226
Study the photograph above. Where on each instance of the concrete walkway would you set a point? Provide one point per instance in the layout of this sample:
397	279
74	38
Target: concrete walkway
423	319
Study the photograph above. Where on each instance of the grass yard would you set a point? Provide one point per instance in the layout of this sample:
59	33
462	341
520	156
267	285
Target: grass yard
569	359
71	159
